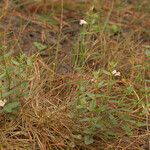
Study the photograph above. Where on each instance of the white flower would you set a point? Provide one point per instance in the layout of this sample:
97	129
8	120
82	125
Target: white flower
116	73
82	22
2	102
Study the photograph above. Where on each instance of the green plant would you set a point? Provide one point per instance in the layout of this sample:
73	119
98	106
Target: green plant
87	32
109	105
102	113
15	76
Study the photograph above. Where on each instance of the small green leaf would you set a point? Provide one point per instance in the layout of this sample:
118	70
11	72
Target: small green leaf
2	75
88	139
82	103
106	72
15	62
2	47
10	107
147	52
114	28
29	62
113	119
8	93
40	46
77	136
90	95
101	84
111	135
92	105
82	89
6	56
87	119
127	130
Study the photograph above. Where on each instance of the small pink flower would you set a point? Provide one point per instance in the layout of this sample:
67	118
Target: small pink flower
82	22
2	102
116	73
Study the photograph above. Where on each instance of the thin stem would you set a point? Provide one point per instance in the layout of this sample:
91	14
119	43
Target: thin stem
59	36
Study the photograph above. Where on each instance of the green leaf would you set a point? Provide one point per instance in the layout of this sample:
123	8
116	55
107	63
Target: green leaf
92	105
101	84
91	95
29	62
3	47
86	119
88	139
147	52
113	119
82	89
114	28
2	75
106	72
111	135
8	93
82	103
6	56
77	136
10	107
15	62
127	130
96	74
39	46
